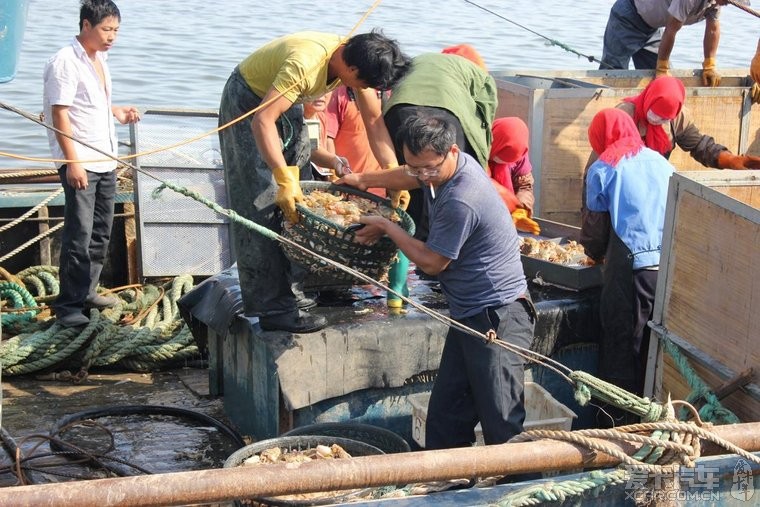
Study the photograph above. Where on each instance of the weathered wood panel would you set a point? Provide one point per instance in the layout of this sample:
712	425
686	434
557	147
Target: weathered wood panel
713	282
708	292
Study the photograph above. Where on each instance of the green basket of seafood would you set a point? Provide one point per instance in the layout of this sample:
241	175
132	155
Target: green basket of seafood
325	216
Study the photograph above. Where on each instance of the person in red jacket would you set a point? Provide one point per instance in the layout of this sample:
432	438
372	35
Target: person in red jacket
509	164
510	170
663	123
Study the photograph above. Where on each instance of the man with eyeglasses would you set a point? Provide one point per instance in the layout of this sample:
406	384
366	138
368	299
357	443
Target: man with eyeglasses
472	247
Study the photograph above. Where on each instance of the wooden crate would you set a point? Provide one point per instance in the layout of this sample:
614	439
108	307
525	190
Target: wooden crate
558	108
708	291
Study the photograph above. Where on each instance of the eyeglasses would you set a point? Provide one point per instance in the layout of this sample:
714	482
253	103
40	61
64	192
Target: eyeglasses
427	171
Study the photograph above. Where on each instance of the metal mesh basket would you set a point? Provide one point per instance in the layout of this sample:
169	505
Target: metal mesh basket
337	243
302	443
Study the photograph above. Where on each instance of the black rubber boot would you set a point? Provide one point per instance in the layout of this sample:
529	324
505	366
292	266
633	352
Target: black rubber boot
295	322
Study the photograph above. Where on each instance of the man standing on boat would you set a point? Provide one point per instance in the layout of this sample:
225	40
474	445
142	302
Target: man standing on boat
633	31
267	154
472	247
77	101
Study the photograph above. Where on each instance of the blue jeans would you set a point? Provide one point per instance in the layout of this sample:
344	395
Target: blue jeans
266	276
628	36
88	218
481	382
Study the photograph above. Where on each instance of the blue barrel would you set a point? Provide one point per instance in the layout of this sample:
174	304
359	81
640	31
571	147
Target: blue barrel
12	24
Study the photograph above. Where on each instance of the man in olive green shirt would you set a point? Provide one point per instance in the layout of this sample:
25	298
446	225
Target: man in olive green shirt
264	154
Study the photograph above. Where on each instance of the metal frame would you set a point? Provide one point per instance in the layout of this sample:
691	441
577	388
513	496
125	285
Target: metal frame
185	221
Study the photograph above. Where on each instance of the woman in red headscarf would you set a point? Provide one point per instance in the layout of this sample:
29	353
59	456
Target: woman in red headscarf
622	223
509	164
662	122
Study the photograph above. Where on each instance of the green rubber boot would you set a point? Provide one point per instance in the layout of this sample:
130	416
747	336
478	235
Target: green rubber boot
397	280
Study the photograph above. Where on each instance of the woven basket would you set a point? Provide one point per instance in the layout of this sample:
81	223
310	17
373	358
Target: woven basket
337	243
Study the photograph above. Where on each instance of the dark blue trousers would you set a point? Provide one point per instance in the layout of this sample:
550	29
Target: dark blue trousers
481	382
88	218
267	277
628	36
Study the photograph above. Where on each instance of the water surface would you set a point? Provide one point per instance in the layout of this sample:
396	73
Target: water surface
179	53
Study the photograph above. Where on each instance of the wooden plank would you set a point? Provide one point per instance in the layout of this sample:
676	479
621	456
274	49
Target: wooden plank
709	285
130	239
716	116
715	317
46	258
744	405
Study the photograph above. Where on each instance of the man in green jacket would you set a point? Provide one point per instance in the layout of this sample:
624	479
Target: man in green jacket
451	86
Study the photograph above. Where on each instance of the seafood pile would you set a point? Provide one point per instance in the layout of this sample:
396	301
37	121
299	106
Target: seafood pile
568	254
345	210
276	455
279	455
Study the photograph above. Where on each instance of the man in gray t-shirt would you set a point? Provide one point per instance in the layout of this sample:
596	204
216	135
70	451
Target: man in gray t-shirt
473	248
635	30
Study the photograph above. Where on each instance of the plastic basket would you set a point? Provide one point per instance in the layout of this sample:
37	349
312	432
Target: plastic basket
302	443
337	243
384	439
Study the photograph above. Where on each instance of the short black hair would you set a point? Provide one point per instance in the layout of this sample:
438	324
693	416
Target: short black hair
423	132
95	11
379	59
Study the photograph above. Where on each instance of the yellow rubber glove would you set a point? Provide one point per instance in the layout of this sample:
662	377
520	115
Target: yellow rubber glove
710	76
662	69
754	92
754	68
289	191
399	198
524	223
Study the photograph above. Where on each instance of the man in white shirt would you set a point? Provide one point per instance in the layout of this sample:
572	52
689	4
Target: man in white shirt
77	102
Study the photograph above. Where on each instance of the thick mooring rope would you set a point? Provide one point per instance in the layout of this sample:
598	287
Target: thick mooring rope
671	445
157	338
32	211
713	409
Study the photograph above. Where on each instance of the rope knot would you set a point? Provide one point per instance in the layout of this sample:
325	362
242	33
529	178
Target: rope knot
491	336
582	394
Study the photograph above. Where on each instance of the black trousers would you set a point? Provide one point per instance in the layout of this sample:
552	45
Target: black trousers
267	277
481	382
88	218
626	305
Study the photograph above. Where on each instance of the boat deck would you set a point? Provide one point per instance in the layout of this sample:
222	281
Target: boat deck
32	408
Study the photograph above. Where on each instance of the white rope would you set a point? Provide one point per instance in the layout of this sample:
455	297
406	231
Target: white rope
31	211
31	242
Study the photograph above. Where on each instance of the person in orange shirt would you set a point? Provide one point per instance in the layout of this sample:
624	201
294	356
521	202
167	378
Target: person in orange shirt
349	135
326	164
346	132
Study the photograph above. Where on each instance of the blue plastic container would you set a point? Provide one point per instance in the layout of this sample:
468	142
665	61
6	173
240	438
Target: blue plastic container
12	23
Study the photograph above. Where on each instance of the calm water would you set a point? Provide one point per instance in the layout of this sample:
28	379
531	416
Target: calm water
179	53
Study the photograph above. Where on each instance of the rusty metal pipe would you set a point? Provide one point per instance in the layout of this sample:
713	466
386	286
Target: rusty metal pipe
208	486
